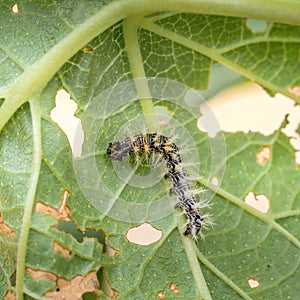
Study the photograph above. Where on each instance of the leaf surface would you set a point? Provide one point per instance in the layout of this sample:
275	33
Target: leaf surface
59	232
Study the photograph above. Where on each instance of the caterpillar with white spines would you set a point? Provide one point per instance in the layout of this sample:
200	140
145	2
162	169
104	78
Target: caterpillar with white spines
164	146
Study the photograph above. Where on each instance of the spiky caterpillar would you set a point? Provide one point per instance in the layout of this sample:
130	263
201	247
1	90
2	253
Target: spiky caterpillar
156	143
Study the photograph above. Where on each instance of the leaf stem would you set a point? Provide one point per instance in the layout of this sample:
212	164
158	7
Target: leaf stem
191	253
36	165
130	30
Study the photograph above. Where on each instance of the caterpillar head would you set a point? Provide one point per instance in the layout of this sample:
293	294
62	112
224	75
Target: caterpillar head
115	151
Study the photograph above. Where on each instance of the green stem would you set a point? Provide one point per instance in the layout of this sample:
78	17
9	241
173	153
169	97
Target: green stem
191	253
130	28
29	203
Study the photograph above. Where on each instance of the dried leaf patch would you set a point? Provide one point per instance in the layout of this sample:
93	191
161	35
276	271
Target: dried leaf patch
110	250
161	295
263	155
63	251
174	288
61	213
4	228
67	289
10	295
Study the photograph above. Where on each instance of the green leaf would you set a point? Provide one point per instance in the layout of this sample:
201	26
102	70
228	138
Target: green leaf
59	232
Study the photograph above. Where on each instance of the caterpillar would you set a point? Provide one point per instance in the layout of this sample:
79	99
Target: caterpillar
164	146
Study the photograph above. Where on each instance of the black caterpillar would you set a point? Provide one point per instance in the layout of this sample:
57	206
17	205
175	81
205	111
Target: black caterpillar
156	143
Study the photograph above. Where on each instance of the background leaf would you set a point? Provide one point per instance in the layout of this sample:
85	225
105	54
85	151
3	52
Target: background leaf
88	46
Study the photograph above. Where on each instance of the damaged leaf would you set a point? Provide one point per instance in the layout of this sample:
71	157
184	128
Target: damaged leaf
62	237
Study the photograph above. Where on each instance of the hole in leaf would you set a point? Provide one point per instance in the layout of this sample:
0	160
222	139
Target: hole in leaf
105	285
13	278
97	234
259	202
248	108
207	122
215	181
253	283
291	129
89	296
71	228
193	98
144	234
15	8
256	26
263	155
63	115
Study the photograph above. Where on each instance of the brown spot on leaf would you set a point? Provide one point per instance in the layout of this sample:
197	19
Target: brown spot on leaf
87	49
10	295
4	228
74	288
67	289
61	213
295	90
263	155
63	210
110	250
41	275
173	288
63	251
161	295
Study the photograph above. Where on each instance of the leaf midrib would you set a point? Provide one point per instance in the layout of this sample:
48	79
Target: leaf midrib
30	197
